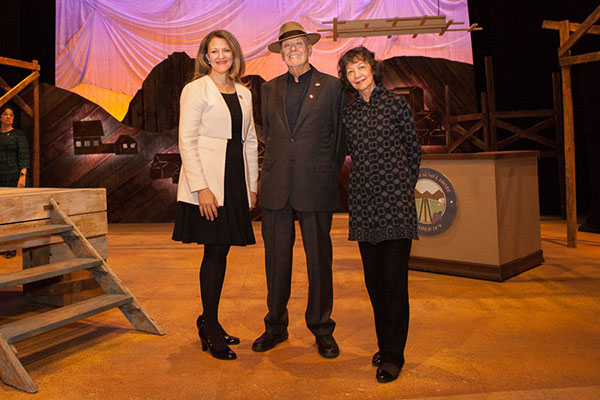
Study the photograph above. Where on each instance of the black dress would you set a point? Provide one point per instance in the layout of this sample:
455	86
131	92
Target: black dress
232	225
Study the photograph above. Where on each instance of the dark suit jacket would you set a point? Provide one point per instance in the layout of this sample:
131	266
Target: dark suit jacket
303	165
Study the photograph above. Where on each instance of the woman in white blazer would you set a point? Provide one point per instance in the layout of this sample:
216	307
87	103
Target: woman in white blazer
219	174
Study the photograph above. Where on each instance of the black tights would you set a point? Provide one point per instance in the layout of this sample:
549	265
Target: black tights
212	275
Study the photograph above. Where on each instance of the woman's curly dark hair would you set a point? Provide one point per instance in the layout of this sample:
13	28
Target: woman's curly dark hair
358	54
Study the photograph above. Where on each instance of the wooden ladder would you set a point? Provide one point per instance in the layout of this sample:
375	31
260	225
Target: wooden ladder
116	294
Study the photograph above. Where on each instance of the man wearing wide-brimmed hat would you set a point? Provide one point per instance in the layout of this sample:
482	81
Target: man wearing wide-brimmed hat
305	149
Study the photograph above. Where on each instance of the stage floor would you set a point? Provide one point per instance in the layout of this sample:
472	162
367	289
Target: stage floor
535	336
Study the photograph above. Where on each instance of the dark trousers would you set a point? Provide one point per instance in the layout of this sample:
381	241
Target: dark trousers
279	234
386	277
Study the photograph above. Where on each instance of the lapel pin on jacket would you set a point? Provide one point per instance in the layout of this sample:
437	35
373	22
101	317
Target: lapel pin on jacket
317	83
312	96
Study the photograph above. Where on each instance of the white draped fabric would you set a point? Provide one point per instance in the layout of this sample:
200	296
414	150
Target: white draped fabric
105	48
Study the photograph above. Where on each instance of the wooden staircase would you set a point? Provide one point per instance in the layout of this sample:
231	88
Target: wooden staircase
116	294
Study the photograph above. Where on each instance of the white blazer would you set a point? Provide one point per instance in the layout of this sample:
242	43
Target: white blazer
204	127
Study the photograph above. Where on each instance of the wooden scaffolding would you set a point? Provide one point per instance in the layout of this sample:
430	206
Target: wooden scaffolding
566	60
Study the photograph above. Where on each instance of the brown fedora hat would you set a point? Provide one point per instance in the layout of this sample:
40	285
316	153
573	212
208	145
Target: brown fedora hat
291	30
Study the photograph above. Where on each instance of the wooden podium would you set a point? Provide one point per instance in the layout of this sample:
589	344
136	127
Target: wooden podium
495	233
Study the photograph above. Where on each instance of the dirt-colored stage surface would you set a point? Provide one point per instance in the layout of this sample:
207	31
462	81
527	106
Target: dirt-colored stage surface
535	336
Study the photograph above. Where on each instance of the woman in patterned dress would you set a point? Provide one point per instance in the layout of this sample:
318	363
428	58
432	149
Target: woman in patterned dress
386	154
219	174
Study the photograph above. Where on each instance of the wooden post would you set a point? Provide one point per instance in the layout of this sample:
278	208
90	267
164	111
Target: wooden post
447	117
36	131
569	138
485	119
560	143
491	103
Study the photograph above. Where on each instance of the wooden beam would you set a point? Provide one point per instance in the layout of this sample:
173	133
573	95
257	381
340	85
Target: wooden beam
466	135
34	66
466	117
547	123
569	140
444	29
558	126
110	282
583	28
12	371
526	133
580	59
17	99
485	119
448	120
491	102
525	114
15	90
477	142
335	29
36	132
594	29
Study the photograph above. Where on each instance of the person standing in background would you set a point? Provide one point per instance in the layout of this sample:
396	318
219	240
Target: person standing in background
14	155
14	151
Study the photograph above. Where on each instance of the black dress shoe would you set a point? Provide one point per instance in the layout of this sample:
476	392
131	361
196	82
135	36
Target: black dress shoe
387	372
230	340
376	360
328	348
268	340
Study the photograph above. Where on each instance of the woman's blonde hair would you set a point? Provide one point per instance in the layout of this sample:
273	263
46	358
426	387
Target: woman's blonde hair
202	67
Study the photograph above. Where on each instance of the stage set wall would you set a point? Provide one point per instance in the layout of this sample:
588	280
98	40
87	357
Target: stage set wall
524	57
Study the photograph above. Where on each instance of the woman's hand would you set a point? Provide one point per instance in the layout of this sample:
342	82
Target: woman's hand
252	200
22	177
207	202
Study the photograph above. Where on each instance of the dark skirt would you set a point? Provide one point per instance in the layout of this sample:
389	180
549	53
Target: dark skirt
232	225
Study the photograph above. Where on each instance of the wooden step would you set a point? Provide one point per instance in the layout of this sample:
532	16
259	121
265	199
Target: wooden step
47	271
34	231
41	323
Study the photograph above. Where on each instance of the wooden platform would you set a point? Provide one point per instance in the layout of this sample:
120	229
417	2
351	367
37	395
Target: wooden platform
26	213
55	248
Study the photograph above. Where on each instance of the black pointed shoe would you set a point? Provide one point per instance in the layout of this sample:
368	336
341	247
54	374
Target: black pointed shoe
328	348
230	340
387	372
268	340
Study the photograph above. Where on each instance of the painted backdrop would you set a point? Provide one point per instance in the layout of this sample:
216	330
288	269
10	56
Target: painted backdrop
106	48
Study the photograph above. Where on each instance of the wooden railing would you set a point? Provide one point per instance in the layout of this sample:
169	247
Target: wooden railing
482	129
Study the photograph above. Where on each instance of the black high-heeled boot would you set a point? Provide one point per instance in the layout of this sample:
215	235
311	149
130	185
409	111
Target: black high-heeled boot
224	354
230	340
